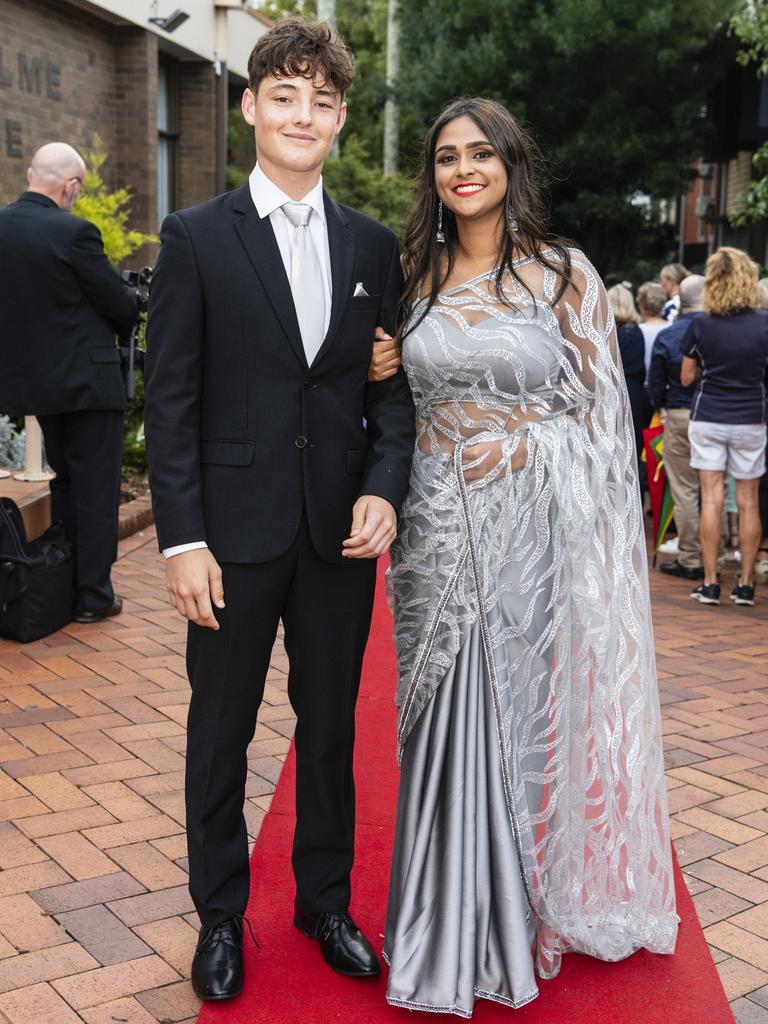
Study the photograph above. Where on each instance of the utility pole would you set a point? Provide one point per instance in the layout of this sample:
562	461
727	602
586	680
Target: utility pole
391	106
326	11
221	72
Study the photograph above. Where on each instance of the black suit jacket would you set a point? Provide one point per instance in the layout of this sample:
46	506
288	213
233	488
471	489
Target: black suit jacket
242	435
61	304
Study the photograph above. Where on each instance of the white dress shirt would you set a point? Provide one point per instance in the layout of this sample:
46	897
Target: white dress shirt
268	200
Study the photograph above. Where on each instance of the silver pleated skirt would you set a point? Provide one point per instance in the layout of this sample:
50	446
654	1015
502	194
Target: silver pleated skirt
458	926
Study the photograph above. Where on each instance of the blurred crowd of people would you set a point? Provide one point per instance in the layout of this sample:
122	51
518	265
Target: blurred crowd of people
695	353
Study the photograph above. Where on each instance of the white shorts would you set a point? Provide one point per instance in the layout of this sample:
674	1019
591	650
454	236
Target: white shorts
736	448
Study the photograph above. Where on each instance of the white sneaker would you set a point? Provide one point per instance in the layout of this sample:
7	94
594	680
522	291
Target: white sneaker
670	547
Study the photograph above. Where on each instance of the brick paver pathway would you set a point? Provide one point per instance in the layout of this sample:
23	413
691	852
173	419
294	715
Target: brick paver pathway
95	919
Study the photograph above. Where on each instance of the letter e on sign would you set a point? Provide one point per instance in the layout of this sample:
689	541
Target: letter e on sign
13	146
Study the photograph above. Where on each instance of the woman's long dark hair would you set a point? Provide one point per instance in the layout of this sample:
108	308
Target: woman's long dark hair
524	165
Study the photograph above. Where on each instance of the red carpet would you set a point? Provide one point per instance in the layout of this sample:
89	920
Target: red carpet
289	983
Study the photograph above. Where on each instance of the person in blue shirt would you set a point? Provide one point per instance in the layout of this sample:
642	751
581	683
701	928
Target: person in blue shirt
725	350
674	401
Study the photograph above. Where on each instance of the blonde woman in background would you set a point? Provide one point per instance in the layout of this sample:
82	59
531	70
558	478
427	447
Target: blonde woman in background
726	351
670	277
632	351
650	303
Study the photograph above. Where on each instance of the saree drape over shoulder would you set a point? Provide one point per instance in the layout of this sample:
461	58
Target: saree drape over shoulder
532	808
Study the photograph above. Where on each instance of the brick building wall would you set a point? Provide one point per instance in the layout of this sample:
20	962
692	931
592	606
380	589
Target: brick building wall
135	76
56	82
69	75
197	132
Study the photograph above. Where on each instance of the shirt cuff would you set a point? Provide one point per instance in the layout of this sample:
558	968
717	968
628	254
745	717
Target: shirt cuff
179	549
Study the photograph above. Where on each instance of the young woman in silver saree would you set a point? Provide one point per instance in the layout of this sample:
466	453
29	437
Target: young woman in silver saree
532	815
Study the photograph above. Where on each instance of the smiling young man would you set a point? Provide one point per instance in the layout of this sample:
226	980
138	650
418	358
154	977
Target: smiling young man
277	471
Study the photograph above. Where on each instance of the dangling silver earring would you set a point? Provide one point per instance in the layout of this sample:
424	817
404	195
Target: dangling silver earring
511	220
440	234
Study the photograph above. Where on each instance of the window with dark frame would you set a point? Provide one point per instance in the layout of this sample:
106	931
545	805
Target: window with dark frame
167	138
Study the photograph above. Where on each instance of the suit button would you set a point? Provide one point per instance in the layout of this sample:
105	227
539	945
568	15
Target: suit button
301	441
310	385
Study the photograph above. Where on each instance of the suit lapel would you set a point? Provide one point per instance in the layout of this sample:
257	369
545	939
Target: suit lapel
341	243
259	241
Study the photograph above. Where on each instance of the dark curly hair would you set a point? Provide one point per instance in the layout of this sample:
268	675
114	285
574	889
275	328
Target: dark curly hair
300	48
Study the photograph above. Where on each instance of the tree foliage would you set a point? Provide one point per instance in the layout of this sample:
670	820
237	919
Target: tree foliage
108	210
750	26
613	91
353	178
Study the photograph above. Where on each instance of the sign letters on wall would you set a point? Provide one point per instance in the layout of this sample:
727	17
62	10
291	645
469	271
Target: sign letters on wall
36	76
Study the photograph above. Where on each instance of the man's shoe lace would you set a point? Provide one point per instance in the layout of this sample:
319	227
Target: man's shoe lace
330	921
223	932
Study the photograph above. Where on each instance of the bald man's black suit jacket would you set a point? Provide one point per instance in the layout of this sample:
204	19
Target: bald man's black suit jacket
243	436
61	304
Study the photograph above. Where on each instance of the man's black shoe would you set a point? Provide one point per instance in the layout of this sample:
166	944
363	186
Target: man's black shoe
217	967
343	945
114	609
676	569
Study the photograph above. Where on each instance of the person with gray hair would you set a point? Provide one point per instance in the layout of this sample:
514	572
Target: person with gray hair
670	278
668	394
61	304
650	302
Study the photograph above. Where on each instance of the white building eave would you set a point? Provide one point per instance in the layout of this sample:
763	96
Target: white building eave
226	29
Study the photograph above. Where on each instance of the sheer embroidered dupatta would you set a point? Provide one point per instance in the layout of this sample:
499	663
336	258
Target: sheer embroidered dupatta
559	537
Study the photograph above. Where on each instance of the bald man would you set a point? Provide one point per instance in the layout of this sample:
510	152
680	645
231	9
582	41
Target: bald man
61	304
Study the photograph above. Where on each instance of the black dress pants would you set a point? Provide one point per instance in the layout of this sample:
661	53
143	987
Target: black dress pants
326	612
85	449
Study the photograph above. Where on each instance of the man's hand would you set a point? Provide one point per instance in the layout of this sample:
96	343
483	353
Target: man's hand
374	525
194	581
385	361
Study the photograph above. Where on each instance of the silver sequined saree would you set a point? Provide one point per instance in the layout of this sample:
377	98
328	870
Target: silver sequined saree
532	815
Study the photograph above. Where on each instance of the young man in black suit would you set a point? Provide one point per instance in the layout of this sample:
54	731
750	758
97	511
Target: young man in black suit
61	304
276	472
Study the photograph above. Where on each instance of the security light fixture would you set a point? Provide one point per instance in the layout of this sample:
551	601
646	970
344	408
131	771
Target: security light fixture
172	22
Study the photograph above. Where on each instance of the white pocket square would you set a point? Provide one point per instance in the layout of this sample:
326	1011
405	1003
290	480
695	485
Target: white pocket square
359	290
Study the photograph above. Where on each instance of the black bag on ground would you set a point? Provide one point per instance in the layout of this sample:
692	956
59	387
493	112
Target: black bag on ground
37	593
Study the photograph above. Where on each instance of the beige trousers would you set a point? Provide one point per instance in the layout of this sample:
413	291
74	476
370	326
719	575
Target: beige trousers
684	484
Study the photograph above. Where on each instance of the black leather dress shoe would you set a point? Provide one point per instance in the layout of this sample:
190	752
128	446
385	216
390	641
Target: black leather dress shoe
114	609
676	569
343	945
217	967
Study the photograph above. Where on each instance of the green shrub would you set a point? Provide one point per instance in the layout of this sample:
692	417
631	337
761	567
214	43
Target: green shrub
110	212
353	179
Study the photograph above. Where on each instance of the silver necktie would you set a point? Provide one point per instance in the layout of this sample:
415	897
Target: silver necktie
306	280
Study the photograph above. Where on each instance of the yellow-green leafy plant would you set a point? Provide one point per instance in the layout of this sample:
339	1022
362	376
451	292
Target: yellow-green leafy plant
108	210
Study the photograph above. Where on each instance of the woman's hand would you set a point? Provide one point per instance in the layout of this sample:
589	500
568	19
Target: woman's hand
385	361
489	460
